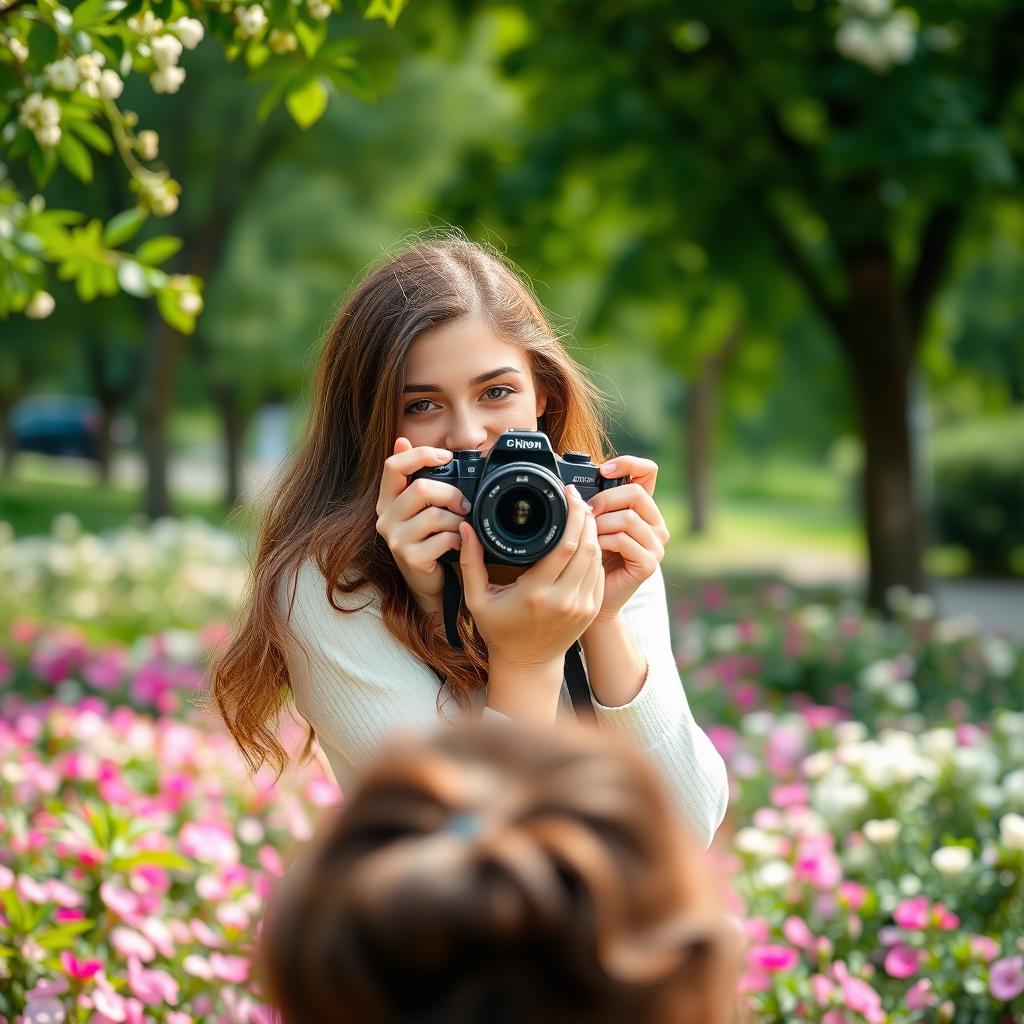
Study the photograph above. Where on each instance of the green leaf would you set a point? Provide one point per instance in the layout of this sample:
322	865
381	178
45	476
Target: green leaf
355	80
273	96
158	858
167	304
88	13
307	103
389	10
42	163
75	157
311	37
122	227
93	134
158	249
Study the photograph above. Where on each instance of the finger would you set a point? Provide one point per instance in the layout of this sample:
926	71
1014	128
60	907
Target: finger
424	524
424	493
636	557
474	572
642	471
593	582
401	465
629	522
426	553
627	496
546	570
579	566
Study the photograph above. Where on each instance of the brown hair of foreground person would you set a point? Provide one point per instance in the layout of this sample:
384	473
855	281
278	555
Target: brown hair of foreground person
494	873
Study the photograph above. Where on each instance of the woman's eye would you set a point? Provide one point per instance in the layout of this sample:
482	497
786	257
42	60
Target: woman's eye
412	406
503	388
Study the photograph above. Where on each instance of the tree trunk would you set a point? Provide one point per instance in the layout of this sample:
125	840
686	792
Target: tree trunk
234	422
158	392
8	449
701	419
875	337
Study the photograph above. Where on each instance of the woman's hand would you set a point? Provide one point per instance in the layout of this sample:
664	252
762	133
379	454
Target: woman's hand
630	530
531	623
419	521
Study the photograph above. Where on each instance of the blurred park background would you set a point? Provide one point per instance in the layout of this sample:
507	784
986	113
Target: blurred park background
786	237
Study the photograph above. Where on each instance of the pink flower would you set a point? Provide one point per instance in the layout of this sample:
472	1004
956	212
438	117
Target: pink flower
209	842
31	891
79	970
122	902
902	961
944	918
130	944
1006	978
984	948
270	861
797	933
773	957
823	989
63	895
912	914
789	794
920	995
197	966
229	968
45	1011
853	895
151	985
110	1004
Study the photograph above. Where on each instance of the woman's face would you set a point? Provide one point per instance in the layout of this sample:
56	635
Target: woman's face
464	387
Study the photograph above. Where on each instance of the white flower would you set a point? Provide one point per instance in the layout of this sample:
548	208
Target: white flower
41	304
1013	788
90	66
951	861
48	135
757	723
164	203
851	732
999	656
818	764
189	31
974	765
815	618
725	637
19	51
988	796
774	874
148	144
319	10
167	80
921	607
955	628
145	24
857	40
251	20
882	831
111	85
871	8
63	74
166	50
938	742
897	39
879	676
758	843
902	695
1011	831
282	42
1009	723
190	303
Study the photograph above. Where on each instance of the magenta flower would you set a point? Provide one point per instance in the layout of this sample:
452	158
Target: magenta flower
853	895
902	961
797	933
79	970
984	948
920	995
1006	978
773	957
823	989
130	944
234	969
912	914
151	985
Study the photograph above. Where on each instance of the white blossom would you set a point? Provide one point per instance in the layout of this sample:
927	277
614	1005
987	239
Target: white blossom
897	38
19	51
189	31
145	24
167	80
281	41
166	50
148	144
111	85
63	74
41	304
951	861
251	20
1011	831
882	831
319	10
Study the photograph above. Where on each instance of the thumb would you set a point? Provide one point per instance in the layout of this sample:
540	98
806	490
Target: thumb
471	560
403	444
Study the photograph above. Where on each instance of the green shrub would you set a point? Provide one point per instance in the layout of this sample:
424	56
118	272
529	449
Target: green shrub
979	490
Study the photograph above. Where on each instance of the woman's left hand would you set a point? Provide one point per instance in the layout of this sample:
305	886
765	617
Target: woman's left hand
630	530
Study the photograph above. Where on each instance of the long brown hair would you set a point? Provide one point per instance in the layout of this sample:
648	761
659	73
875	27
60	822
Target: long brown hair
324	507
491	872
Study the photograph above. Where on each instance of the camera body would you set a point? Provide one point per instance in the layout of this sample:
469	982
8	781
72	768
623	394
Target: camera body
517	494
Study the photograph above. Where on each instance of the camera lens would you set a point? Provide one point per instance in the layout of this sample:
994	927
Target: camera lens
521	514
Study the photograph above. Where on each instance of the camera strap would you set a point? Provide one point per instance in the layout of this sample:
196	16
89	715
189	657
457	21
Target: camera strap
575	674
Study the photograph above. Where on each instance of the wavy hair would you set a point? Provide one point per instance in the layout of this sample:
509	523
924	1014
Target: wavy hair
495	873
324	506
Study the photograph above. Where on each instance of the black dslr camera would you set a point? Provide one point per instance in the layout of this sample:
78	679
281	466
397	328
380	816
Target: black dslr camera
517	494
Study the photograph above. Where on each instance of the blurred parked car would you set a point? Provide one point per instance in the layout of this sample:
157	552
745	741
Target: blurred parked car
57	425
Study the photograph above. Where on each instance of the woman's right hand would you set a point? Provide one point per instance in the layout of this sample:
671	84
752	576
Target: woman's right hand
419	521
529	624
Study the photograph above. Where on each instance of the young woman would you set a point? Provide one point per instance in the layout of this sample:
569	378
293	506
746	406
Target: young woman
500	873
442	348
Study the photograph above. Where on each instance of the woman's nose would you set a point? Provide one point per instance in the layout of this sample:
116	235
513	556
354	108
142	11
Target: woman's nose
466	432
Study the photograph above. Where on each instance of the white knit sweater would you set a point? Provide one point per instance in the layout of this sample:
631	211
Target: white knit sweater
360	683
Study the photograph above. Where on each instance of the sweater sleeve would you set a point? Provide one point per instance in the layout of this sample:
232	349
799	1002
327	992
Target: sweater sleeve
659	720
351	680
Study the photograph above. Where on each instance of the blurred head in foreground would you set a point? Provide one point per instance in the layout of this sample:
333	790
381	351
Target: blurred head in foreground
495	873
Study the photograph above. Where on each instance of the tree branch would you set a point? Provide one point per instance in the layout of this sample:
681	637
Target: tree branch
937	243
